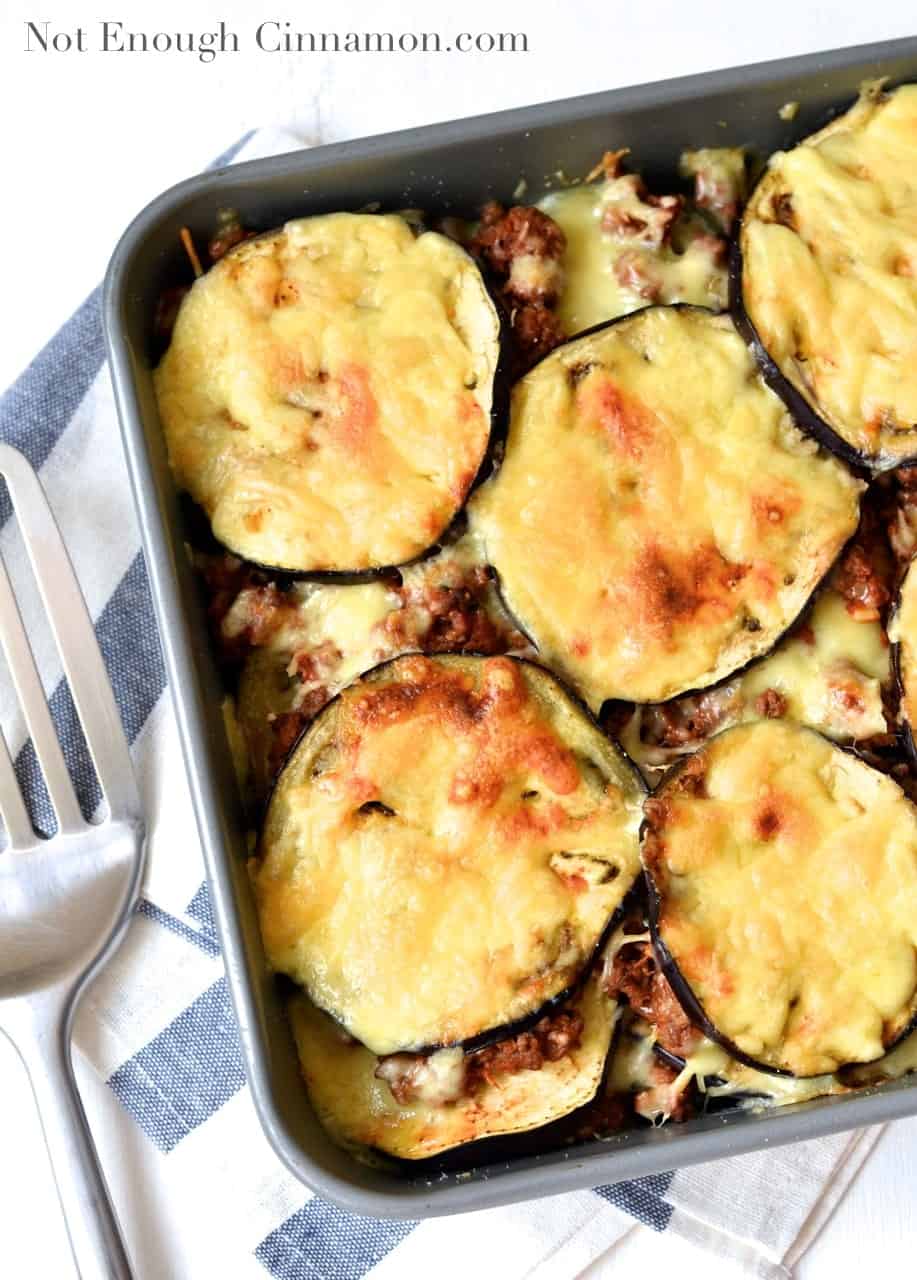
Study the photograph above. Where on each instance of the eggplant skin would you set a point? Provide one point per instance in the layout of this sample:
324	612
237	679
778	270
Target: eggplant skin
655	533
902	633
422	799
824	279
782	878
329	393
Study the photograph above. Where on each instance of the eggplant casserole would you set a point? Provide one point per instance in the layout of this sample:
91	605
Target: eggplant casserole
557	562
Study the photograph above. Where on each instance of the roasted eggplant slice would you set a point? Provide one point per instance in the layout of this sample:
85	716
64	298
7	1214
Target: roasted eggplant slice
444	849
658	520
451	1102
783	879
902	632
828	289
327	394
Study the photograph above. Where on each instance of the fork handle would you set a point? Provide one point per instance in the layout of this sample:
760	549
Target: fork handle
95	1237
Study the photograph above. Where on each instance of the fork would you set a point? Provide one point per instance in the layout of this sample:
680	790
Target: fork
65	901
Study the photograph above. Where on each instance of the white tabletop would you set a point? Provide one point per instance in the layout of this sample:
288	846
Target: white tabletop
95	135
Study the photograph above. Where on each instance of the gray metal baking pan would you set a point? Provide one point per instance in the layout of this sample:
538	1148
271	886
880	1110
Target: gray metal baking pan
454	167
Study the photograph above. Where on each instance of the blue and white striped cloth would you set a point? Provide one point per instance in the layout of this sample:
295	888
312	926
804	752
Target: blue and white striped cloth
158	1026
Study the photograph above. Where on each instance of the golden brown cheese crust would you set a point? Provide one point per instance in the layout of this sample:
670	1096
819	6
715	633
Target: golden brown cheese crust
326	396
902	631
356	1107
658	520
787	875
444	850
829	278
328	634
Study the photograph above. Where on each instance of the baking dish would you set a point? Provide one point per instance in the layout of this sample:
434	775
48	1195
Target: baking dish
448	167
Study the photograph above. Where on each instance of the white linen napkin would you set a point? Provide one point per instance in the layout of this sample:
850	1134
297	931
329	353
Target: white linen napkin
158	1026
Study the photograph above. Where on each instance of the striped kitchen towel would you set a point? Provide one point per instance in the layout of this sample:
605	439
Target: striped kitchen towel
158	1025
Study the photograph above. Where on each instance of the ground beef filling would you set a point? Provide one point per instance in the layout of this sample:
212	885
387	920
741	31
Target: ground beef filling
522	248
896	510
244	609
860	581
408	1075
228	234
636	976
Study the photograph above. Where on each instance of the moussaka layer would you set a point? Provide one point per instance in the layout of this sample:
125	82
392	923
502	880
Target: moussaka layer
327	393
658	520
444	849
783	875
829	276
419	1107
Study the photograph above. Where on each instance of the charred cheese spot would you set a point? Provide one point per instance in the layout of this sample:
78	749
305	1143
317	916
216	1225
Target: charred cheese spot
788	898
627	512
326	396
358	1108
827	279
509	838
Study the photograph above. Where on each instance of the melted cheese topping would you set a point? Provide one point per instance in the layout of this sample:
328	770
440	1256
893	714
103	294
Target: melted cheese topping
326	397
830	671
358	1108
444	850
829	246
653	532
348	619
341	627
344	627
597	286
902	631
787	873
718	1075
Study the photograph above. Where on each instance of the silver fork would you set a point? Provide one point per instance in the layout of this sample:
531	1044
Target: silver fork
65	901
